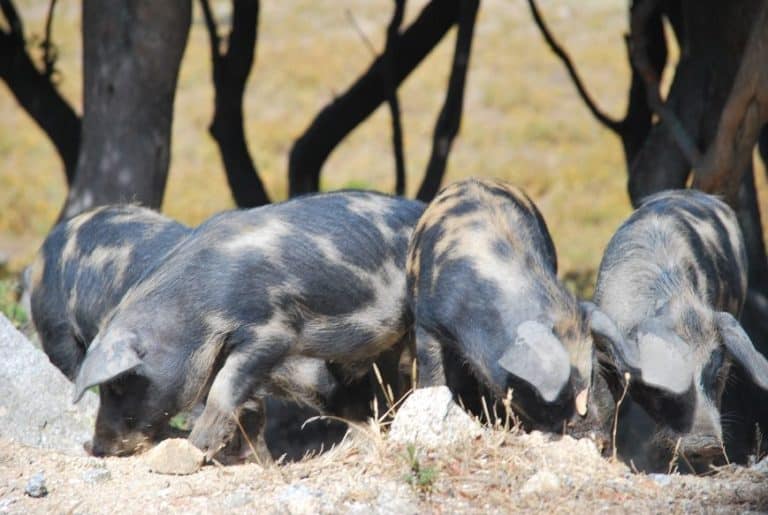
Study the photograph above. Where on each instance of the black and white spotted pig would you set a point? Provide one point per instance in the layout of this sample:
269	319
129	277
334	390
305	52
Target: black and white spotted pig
84	268
290	299
482	278
674	278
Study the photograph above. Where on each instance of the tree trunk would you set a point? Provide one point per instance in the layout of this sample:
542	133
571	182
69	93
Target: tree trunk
449	121
346	112
741	120
230	73
713	42
35	92
131	57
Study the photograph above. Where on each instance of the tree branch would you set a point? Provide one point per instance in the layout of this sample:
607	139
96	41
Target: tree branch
35	92
390	57
449	121
347	111
230	73
49	49
604	119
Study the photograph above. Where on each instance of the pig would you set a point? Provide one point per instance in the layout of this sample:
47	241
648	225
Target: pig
673	278
295	300
85	266
488	307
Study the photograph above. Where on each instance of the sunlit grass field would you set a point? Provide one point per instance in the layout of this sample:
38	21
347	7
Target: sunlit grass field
522	121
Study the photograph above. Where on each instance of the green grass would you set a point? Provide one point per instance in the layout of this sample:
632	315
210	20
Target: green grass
419	476
9	305
522	119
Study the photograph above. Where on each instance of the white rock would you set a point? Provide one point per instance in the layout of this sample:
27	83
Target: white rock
661	479
429	418
175	456
761	466
36	399
542	482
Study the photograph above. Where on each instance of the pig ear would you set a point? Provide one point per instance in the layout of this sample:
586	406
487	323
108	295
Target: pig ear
538	358
104	362
665	360
740	346
608	337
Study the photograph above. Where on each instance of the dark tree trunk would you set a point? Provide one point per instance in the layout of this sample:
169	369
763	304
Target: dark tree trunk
230	73
390	57
131	56
755	314
36	93
346	112
449	121
743	116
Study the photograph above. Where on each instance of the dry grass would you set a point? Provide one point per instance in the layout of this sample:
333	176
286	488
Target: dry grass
367	472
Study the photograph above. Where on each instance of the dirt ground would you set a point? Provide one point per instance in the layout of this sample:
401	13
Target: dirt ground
497	472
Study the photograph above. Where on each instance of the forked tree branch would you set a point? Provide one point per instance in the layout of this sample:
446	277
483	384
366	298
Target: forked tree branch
332	124
34	90
554	45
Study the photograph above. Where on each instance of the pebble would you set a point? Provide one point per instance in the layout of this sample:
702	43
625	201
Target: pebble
541	482
36	486
175	456
97	475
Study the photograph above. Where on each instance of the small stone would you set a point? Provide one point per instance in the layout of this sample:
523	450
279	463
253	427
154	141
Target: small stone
541	482
36	486
430	418
175	456
97	475
661	479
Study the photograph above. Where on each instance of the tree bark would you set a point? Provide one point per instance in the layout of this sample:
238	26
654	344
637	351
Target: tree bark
346	112
449	121
230	73
36	93
131	57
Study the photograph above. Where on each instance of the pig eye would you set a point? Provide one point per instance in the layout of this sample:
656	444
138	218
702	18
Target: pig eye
117	387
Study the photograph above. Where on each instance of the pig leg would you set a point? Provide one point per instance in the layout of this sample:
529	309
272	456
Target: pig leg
429	359
249	363
248	441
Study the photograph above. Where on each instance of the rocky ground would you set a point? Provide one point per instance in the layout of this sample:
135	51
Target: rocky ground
434	459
